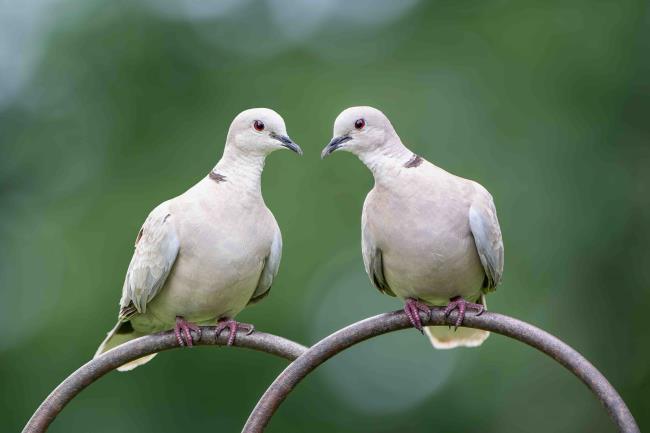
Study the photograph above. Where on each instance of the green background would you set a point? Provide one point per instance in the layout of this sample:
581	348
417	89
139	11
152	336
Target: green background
109	108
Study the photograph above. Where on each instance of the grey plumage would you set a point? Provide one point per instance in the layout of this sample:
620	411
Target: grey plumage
487	236
206	254
156	248
426	234
270	269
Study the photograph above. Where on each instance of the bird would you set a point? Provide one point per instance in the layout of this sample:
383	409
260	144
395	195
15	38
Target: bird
429	237
203	256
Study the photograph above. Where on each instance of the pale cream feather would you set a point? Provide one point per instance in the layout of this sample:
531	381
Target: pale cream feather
426	233
205	254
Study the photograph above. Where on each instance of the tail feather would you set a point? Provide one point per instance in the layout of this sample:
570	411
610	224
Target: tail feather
444	338
121	333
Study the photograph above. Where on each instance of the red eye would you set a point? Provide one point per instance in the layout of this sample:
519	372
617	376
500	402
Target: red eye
258	125
360	123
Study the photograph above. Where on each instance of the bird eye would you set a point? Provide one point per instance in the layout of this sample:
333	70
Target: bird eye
258	125
360	123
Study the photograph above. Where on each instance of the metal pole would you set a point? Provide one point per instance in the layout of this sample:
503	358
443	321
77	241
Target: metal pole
96	368
394	321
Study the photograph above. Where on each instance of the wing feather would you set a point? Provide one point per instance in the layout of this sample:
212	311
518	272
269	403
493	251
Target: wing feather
485	228
270	269
156	249
373	259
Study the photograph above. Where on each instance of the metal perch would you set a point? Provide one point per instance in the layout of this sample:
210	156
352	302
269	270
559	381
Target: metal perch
306	360
389	322
96	368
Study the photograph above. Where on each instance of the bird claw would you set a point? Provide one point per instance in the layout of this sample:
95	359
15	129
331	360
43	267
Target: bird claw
412	308
462	305
182	331
233	326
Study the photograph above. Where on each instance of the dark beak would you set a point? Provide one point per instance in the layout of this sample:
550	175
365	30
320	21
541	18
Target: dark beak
334	145
287	142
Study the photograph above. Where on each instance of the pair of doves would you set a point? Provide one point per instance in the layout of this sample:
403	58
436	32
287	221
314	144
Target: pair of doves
428	237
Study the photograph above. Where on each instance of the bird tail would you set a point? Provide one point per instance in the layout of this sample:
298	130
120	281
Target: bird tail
445	338
121	333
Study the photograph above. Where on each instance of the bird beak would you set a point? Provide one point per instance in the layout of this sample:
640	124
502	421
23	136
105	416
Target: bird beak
334	145
287	142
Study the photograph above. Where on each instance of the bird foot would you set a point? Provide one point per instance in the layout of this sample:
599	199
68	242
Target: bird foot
233	326
412	308
460	304
182	331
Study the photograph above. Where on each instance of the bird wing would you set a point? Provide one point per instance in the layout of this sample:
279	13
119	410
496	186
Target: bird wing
485	228
270	269
372	259
156	248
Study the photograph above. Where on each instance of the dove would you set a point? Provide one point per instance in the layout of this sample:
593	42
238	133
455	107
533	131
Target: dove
203	256
428	237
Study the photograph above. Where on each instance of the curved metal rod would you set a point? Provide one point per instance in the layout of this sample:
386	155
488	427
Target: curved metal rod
96	368
396	320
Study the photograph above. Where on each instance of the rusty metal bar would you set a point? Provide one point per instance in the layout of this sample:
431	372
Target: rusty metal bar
96	368
394	321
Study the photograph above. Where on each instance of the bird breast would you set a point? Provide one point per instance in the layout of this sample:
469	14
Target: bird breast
220	260
427	246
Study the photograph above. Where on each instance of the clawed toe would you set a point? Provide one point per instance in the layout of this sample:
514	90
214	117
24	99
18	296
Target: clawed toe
183	333
460	304
412	308
233	326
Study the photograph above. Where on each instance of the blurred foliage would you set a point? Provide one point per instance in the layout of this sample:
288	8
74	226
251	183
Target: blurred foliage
109	108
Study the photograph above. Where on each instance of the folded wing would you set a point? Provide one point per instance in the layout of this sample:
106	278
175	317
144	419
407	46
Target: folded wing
156	248
270	269
485	228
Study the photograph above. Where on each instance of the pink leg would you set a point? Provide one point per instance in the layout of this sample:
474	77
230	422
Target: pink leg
182	331
412	308
233	326
460	304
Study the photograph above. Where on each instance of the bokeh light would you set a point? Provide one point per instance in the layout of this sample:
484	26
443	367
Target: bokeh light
109	108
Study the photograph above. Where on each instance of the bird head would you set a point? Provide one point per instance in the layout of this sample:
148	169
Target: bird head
360	130
260	131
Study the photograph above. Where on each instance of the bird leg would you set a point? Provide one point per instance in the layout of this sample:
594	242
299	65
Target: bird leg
232	326
460	304
412	308
182	331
